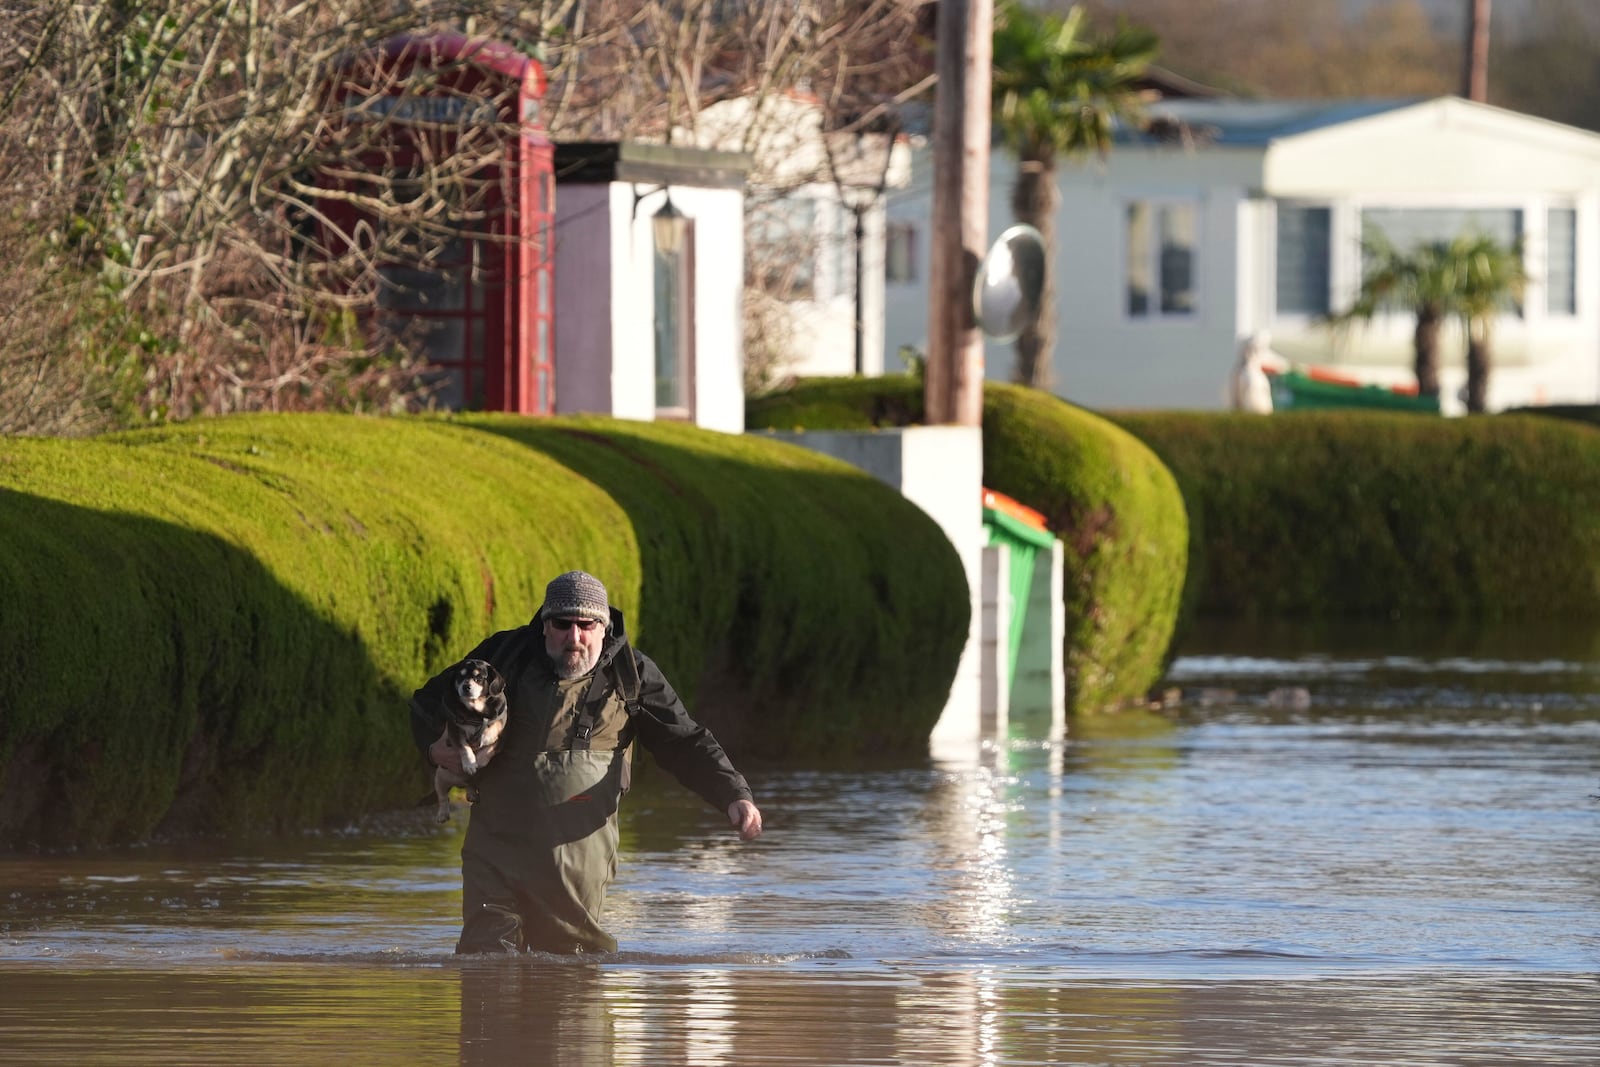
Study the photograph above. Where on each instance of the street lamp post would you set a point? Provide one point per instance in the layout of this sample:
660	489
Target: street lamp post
861	199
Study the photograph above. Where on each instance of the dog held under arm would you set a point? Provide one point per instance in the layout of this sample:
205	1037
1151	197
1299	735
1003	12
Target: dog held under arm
477	719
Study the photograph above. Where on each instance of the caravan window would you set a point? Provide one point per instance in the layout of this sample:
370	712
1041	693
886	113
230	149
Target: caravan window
1303	259
1162	238
900	256
1561	262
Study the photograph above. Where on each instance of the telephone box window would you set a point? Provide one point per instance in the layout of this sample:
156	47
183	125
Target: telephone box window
478	309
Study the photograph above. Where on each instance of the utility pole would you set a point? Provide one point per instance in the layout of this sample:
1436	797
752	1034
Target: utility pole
1475	67
953	392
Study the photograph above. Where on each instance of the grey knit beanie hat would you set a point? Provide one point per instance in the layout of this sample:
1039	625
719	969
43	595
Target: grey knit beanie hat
576	594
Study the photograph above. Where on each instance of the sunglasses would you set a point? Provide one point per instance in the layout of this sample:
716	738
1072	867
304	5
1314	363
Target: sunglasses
566	624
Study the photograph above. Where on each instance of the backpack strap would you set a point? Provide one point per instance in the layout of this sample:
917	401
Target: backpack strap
620	676
624	670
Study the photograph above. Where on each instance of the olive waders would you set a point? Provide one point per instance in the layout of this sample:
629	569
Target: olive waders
541	844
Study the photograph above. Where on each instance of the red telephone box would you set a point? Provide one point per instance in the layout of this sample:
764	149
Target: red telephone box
422	114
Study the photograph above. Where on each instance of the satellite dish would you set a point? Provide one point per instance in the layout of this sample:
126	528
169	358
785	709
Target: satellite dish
1005	294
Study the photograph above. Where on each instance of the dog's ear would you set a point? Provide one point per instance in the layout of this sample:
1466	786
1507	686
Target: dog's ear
497	684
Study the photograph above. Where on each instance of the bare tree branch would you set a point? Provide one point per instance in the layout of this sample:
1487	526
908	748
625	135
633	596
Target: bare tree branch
217	181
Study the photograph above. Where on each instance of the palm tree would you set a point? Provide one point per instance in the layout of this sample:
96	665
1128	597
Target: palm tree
1423	279
1469	277
1058	93
1490	275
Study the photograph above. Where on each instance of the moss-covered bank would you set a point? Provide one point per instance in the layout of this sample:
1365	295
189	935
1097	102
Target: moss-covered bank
1115	507
1367	514
214	626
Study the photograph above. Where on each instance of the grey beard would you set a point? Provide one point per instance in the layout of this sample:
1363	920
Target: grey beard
567	670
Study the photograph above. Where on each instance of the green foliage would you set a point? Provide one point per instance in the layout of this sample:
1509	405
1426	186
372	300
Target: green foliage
1419	277
1121	519
1487	275
1058	91
1115	507
1377	515
215	627
839	404
1588	413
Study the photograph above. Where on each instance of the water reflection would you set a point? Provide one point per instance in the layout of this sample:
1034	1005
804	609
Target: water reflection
595	1015
1401	873
550	1013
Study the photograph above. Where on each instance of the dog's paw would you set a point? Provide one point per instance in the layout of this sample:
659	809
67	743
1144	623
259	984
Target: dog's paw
442	816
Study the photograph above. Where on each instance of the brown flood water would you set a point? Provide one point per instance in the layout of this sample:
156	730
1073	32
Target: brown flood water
1406	872
717	1012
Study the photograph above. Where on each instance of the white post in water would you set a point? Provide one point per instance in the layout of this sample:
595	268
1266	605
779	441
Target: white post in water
1042	659
994	656
939	469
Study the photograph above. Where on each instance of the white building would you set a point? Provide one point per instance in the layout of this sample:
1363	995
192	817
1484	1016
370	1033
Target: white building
649	278
1233	218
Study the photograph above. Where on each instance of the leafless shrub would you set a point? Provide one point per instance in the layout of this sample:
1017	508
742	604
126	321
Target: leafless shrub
176	168
768	341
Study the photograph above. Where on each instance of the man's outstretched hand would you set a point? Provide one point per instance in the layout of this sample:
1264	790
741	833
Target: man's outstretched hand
745	818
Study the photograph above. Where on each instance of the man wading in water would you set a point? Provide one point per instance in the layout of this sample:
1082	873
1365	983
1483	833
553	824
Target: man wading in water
541	845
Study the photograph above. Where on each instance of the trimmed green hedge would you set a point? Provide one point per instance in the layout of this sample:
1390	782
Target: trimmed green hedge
1368	514
819	610
1587	413
214	626
1116	508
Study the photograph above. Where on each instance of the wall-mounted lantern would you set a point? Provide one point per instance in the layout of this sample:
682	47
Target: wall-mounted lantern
669	224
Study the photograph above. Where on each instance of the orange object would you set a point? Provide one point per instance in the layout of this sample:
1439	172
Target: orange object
1021	512
1322	374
